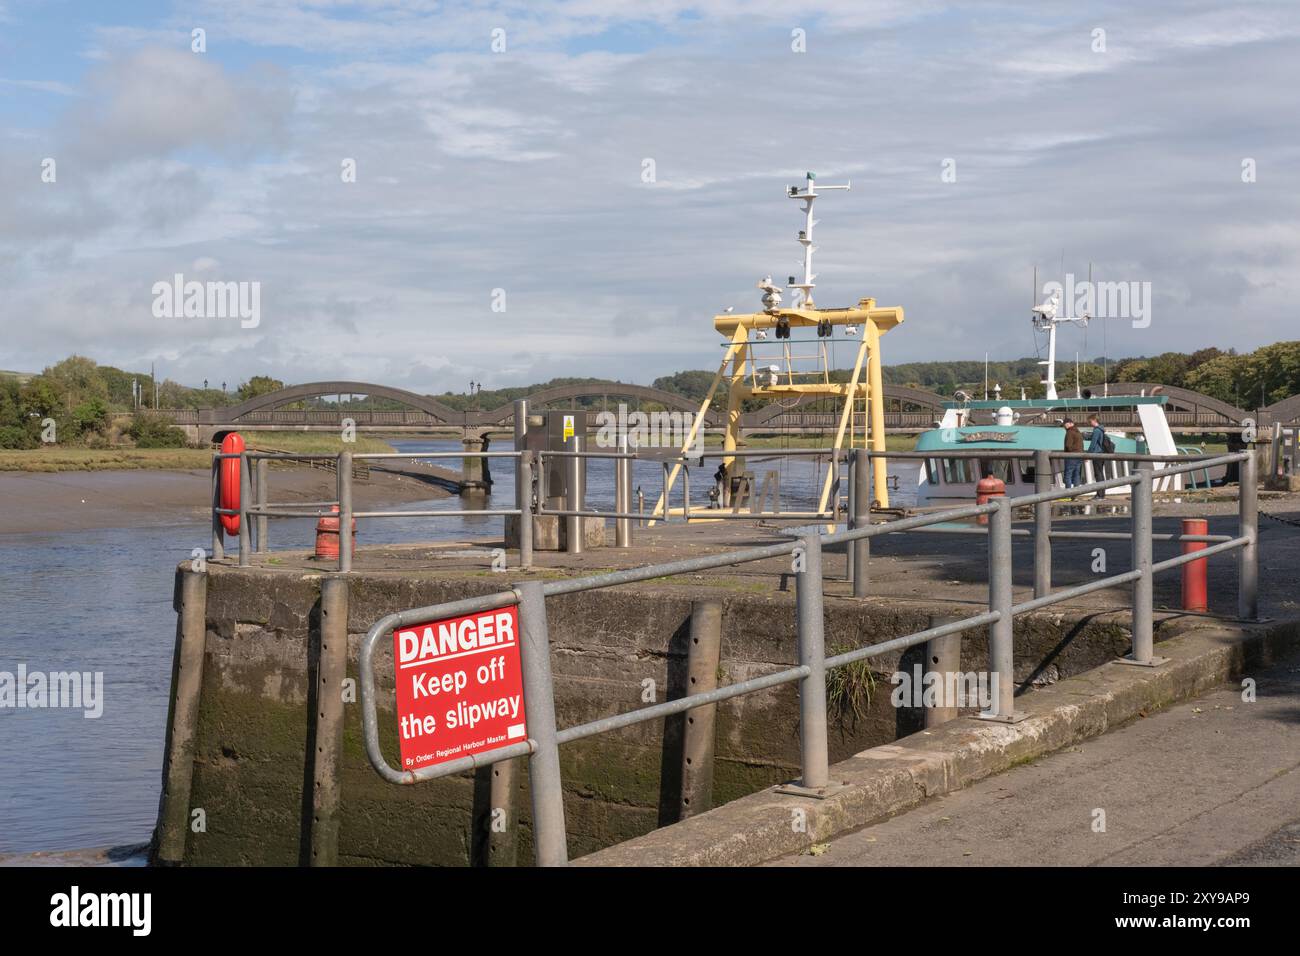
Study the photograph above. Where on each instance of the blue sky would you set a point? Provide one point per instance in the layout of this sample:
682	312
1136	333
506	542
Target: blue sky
521	170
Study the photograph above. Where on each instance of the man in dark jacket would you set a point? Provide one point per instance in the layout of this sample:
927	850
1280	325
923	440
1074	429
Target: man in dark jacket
1096	436
1073	443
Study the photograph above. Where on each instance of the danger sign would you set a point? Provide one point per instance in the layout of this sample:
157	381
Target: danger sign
459	687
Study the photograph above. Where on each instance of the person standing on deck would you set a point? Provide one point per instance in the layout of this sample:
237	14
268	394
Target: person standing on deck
1073	443
1097	445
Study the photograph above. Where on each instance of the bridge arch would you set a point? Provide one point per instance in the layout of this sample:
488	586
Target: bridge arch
1183	400
296	393
560	393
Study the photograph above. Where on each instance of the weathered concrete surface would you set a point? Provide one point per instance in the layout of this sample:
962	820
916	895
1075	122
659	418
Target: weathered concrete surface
253	729
887	779
1212	781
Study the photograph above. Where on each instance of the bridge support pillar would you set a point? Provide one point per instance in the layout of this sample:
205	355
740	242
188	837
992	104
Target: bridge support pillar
475	475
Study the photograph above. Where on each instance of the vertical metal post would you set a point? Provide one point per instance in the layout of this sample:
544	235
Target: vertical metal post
702	657
524	502
262	467
345	510
812	654
218	532
327	755
623	495
849	513
539	711
664	493
523	485
573	523
861	548
1143	587
1248	526
1001	631
245	495
1042	524
183	719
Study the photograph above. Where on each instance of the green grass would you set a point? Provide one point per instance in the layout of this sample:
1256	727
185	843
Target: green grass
314	443
849	687
104	459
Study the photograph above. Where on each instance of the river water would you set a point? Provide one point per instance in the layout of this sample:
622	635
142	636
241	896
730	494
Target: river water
101	602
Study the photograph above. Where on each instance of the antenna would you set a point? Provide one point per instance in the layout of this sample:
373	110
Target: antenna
1046	316
807	196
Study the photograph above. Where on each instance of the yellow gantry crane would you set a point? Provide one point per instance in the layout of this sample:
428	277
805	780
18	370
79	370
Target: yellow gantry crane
755	376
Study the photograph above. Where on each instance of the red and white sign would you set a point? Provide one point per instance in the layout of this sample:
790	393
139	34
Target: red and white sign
459	687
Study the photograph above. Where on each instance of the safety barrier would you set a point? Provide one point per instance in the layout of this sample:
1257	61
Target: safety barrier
545	738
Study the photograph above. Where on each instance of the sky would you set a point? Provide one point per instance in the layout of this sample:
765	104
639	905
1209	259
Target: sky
575	187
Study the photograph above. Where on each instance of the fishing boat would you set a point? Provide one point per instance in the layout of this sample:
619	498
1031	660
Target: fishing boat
1034	425
1037	424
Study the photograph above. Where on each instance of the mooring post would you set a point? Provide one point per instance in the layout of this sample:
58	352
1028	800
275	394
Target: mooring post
1248	526
544	780
702	657
262	467
218	532
345	510
812	654
1042	525
573	501
861	548
1001	631
943	657
245	495
182	718
623	495
524	502
1143	586
327	736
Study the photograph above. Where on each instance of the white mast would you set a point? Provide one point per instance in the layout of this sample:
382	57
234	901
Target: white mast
808	196
1046	320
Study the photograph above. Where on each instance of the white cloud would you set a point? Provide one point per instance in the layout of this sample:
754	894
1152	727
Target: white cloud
522	171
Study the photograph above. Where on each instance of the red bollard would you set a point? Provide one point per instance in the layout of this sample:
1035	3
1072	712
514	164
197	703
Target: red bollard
1194	587
986	488
327	535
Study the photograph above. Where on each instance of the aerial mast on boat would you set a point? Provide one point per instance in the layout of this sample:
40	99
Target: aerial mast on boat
1045	319
747	377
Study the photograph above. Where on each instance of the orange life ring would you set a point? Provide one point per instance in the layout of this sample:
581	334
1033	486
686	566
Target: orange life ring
232	444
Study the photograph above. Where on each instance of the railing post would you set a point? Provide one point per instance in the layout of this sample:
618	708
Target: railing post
218	532
812	654
623	495
573	501
1042	525
1248	526
344	475
524	502
861	548
1143	586
1002	631
539	711
245	494
262	467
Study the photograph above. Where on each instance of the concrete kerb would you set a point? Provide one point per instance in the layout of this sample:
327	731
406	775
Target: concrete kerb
888	779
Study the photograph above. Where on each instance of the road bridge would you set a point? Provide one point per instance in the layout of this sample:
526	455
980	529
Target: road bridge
908	410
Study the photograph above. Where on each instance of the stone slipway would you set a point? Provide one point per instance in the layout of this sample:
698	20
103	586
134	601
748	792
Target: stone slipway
888	779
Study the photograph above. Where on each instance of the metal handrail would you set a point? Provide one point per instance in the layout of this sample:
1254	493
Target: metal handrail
530	597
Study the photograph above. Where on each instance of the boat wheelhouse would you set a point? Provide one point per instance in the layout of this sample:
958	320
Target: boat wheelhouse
1034	425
